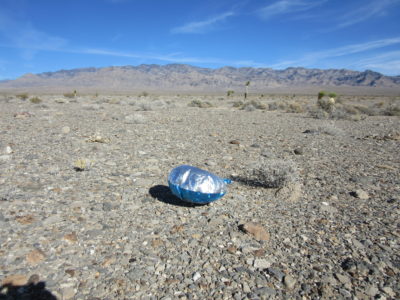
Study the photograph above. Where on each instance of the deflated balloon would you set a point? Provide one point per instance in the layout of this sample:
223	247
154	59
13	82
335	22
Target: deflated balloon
195	185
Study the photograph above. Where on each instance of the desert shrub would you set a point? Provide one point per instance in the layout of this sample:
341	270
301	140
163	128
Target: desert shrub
35	100
114	101
145	107
272	173
392	110
318	113
295	107
200	104
321	94
325	104
143	94
230	93
272	106
22	96
237	104
370	111
330	129
69	95
252	105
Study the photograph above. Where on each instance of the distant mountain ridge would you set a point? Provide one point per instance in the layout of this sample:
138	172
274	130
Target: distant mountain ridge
180	77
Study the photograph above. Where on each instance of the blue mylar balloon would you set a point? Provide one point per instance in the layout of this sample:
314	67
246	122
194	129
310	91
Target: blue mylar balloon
195	185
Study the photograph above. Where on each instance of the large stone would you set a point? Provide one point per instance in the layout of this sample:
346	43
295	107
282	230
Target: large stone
256	230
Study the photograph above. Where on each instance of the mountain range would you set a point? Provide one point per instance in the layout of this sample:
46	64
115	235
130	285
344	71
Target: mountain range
180	77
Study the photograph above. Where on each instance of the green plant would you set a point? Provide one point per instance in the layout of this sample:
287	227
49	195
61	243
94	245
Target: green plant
332	95
35	100
230	93
22	96
321	94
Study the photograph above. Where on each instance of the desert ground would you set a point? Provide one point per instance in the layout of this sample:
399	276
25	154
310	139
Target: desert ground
86	212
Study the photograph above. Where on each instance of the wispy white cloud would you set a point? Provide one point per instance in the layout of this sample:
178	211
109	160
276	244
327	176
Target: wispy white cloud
172	58
318	56
387	63
287	6
24	36
203	26
365	12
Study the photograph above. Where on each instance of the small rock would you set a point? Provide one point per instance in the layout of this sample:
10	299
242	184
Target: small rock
196	276
342	278
68	293
35	257
259	253
289	282
325	207
8	149
371	290
360	194
66	129
298	151
234	142
257	230
389	291
27	219
16	279
71	237
261	264
291	192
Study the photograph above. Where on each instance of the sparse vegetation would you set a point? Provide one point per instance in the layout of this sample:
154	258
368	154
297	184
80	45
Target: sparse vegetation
143	94
70	95
200	104
321	94
230	93
253	105
295	107
22	96
332	95
247	89
273	173
35	100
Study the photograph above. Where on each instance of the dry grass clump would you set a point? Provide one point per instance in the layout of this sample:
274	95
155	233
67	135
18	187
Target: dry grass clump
253	105
237	104
295	107
70	95
200	104
35	100
22	96
272	173
392	110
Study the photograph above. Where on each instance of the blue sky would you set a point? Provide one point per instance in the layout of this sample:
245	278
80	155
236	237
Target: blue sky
49	35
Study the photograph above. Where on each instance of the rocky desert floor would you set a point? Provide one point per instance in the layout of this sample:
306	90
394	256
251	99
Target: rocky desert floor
85	211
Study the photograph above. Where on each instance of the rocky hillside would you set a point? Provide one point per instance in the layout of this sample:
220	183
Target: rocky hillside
178	77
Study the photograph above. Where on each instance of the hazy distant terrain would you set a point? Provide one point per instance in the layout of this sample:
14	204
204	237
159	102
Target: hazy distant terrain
186	78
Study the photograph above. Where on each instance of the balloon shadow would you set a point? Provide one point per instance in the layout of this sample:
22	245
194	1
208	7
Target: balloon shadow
163	193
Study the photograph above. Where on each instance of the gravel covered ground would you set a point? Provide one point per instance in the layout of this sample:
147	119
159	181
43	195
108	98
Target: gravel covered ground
85	211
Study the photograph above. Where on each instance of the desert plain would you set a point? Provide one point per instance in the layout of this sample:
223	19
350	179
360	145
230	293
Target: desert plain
86	213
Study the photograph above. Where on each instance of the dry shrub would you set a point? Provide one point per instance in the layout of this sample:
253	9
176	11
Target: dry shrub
237	104
22	96
272	173
392	110
35	100
200	104
295	107
253	105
